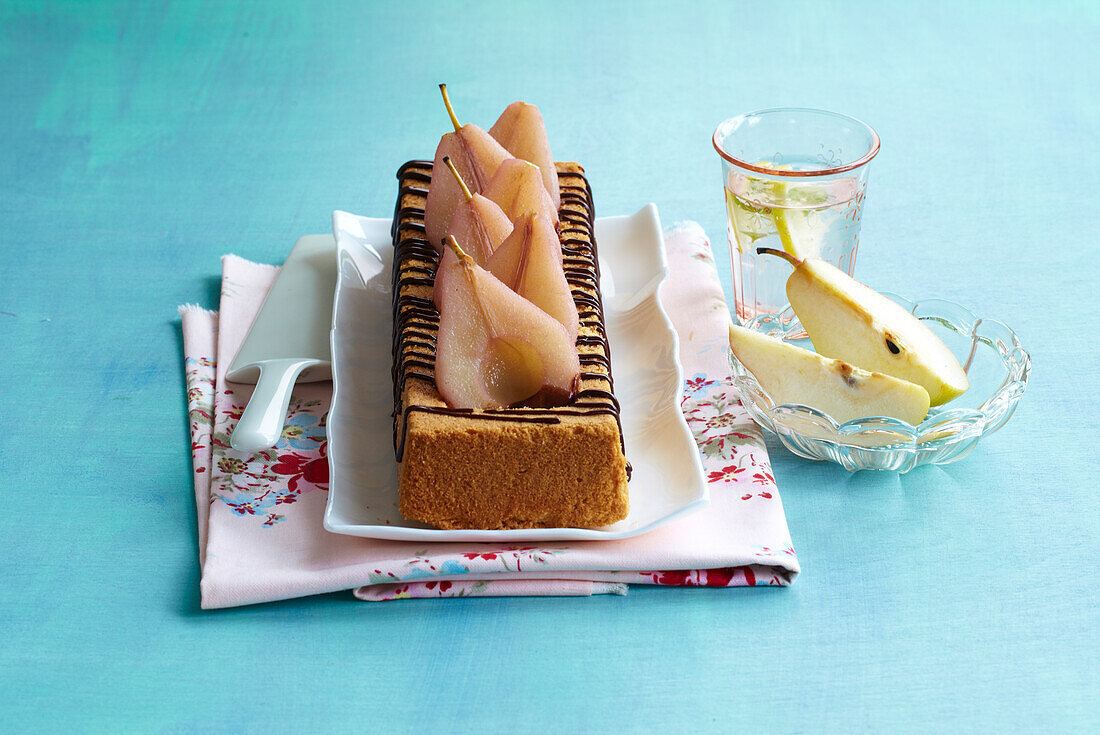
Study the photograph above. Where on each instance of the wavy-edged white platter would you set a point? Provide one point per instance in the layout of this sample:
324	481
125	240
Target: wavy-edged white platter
667	479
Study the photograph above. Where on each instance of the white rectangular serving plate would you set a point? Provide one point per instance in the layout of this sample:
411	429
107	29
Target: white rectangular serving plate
667	479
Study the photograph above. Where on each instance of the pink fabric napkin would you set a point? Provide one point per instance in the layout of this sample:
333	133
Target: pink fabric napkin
260	516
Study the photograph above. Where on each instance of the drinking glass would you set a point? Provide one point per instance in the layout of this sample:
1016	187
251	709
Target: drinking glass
794	181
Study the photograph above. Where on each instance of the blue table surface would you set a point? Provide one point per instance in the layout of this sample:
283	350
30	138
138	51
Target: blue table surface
140	141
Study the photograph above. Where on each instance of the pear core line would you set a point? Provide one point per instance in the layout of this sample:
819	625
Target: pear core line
468	266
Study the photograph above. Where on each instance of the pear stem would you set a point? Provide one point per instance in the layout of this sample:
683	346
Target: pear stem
450	242
781	253
450	110
458	177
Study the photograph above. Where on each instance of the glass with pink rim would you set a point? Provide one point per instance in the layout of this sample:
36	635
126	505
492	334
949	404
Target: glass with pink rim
794	182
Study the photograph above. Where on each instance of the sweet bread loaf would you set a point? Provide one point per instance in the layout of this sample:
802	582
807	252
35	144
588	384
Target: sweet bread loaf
516	467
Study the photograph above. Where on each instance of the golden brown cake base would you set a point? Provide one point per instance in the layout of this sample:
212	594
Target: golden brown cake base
515	467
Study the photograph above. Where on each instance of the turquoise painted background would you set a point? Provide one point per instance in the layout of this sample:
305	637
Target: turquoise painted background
140	141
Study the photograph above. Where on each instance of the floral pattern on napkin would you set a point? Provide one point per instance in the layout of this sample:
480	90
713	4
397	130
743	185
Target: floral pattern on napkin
255	486
729	442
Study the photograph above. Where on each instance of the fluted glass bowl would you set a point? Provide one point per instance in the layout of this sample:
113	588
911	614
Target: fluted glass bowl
996	365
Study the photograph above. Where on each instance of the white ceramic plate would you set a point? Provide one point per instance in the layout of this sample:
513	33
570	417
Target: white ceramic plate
668	477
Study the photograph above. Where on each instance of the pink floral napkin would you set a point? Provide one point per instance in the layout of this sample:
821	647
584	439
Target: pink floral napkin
260	516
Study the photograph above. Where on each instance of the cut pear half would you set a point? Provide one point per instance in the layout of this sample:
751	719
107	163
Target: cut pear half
850	321
791	374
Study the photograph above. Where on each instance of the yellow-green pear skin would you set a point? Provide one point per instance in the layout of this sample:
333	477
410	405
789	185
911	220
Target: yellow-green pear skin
849	321
791	374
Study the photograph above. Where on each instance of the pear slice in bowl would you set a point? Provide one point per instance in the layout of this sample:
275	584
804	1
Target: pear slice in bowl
791	374
850	321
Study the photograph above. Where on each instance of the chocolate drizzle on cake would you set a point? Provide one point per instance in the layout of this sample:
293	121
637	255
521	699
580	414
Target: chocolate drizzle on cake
416	319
